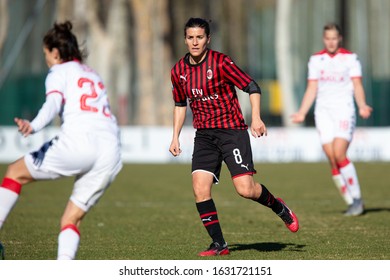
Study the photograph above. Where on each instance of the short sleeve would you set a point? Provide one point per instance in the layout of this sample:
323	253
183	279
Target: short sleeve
355	67
54	82
178	93
312	73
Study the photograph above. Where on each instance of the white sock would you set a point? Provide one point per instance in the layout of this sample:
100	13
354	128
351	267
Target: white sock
68	243
342	187
347	169
8	199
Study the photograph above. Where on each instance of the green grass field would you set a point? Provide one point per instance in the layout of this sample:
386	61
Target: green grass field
149	214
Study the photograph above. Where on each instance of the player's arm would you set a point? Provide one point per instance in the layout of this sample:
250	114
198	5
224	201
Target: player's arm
46	114
307	102
360	97
179	115
258	127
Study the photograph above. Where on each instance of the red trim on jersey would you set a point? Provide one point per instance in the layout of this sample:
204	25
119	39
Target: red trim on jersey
335	171
344	163
59	92
340	50
208	214
11	185
72	227
211	223
55	91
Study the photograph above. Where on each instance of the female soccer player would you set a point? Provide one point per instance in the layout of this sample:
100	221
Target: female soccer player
87	147
207	79
334	77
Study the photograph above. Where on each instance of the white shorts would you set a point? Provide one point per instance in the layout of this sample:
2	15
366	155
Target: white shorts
94	159
334	123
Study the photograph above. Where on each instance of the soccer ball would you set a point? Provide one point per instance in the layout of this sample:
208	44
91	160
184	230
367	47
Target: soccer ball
2	252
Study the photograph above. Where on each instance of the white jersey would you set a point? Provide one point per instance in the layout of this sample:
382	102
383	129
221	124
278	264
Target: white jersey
334	73
77	94
88	145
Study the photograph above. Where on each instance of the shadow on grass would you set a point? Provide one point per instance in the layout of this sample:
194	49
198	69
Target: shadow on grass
268	247
378	209
373	210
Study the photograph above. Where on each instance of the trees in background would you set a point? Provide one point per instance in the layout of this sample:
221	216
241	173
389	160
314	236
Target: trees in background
134	43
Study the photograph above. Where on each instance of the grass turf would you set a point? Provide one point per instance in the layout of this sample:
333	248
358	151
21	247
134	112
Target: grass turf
149	214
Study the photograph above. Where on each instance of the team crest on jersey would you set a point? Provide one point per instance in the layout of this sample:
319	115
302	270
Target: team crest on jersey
209	74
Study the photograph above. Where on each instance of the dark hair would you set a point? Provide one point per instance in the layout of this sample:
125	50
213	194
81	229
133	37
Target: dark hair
197	22
61	37
332	26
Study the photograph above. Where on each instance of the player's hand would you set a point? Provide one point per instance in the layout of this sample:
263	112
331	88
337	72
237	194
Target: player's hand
258	128
175	148
23	126
365	111
297	118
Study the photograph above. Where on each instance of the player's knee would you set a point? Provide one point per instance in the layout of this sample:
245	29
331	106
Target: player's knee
245	191
202	194
246	187
339	158
18	172
12	172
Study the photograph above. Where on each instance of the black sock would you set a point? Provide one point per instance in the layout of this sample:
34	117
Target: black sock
267	199
208	215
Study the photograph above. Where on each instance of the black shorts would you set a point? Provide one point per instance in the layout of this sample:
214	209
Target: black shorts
212	146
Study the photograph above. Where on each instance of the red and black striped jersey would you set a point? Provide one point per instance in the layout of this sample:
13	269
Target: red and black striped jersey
209	88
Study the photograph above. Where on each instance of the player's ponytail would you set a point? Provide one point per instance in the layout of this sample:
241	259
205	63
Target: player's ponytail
60	36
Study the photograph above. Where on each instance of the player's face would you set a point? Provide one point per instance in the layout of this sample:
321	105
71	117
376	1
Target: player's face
52	57
196	40
332	40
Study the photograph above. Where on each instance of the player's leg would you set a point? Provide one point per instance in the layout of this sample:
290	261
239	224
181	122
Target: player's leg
16	175
89	187
202	184
248	188
328	125
344	129
69	237
337	177
206	167
348	172
237	153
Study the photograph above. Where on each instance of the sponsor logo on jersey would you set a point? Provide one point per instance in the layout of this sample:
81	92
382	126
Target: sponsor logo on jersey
196	92
199	96
331	77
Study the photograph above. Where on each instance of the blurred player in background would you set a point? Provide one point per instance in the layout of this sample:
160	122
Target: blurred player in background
207	79
334	77
87	147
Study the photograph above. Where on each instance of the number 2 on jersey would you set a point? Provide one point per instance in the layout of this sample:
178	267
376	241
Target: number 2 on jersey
91	95
85	96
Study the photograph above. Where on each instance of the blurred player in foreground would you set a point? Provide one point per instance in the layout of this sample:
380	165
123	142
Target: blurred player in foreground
334	77
207	79
87	147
